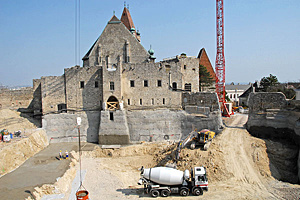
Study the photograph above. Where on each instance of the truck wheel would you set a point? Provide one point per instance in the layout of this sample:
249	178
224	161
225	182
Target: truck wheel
193	145
184	192
165	193
154	193
198	191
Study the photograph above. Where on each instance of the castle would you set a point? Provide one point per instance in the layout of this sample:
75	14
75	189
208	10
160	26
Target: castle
120	76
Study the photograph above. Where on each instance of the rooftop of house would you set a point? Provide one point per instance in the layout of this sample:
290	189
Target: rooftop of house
237	87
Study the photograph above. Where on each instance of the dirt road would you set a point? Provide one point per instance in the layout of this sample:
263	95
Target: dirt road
246	182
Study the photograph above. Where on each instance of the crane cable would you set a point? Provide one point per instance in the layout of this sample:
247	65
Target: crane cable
77	32
77	62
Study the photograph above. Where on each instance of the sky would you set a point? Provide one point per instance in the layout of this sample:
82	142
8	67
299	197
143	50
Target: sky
37	38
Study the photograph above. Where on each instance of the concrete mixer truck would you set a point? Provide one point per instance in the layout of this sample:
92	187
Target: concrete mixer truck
166	180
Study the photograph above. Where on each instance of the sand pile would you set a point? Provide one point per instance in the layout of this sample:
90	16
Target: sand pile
12	121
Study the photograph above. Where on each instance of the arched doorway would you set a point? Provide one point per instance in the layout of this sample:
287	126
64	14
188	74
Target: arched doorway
112	103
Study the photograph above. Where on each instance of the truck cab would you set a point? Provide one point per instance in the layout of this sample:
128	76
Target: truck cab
200	179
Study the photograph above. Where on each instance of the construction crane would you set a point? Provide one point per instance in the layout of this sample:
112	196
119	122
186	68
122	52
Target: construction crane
220	58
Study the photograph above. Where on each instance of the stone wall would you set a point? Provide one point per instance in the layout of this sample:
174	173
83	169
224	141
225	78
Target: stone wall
83	88
272	116
165	124
155	125
206	100
63	127
53	93
16	98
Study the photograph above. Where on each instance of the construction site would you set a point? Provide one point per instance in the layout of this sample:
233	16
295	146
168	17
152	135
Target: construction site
124	126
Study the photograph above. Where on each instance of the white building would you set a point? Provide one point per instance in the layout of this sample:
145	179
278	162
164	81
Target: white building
234	91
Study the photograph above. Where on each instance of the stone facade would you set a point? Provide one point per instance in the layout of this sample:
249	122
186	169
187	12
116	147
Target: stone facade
20	98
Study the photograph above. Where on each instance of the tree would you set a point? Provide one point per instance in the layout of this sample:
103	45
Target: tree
205	78
268	82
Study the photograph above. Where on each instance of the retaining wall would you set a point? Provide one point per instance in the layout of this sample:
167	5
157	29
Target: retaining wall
157	125
63	127
277	115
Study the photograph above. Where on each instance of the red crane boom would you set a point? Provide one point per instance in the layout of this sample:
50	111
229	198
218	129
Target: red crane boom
220	58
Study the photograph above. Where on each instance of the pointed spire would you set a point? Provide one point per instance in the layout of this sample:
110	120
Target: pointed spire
126	19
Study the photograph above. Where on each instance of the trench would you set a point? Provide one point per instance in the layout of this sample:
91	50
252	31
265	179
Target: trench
283	151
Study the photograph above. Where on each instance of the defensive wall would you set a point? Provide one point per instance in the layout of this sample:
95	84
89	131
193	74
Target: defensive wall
125	126
273	117
16	98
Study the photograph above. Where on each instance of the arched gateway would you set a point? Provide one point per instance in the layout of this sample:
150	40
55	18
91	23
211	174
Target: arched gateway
112	103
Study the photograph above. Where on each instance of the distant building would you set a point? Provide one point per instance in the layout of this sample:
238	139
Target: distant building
235	91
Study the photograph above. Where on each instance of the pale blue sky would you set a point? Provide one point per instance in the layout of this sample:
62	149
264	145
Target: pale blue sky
261	36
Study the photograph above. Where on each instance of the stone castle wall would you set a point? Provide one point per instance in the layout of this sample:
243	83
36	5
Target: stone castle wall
19	98
88	97
53	93
272	116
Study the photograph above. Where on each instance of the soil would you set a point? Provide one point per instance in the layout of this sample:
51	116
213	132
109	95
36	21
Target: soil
237	165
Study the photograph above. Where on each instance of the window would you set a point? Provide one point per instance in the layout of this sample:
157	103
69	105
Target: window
164	101
158	83
141	102
145	83
174	86
132	83
96	84
111	85
152	101
128	102
188	87
81	84
111	116
184	67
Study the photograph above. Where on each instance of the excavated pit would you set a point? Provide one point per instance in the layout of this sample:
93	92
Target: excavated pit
283	152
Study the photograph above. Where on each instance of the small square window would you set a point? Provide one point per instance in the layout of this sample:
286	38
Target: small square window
111	85
145	83
132	83
81	84
158	83
96	84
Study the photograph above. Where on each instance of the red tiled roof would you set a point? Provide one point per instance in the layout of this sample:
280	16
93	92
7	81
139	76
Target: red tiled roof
126	19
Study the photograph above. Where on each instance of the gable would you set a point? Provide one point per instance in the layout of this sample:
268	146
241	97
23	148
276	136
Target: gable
112	43
204	60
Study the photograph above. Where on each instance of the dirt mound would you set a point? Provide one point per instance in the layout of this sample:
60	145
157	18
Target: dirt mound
12	121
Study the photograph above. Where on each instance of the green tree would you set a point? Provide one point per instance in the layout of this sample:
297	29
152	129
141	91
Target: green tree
205	78
268	82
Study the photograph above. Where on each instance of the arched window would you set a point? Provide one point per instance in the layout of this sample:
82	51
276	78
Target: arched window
174	86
